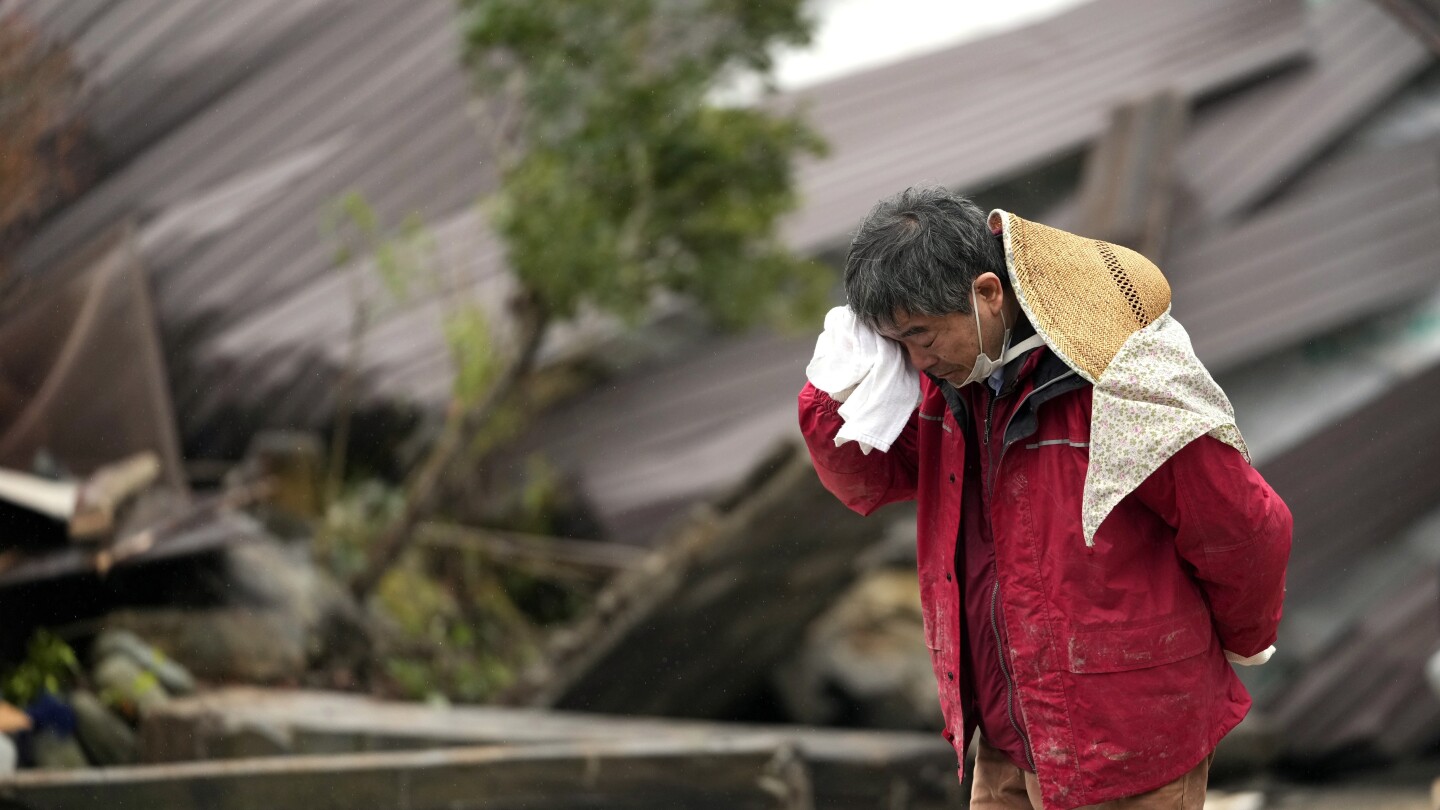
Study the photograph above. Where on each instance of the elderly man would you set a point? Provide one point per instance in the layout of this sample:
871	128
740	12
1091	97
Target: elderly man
1095	550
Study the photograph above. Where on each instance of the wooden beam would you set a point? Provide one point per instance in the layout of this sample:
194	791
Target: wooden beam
1128	181
851	769
106	490
610	775
695	629
43	496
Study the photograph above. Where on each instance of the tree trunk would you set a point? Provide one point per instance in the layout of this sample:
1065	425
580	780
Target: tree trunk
423	487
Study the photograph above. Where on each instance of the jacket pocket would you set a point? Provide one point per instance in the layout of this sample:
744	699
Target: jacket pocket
1136	645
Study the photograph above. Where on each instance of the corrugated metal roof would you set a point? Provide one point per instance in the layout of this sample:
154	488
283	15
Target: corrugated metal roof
374	99
1361	237
1421	16
653	442
1360	482
411	343
1370	696
1242	149
232	199
152	63
1357	608
984	111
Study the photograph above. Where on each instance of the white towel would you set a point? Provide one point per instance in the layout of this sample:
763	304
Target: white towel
869	375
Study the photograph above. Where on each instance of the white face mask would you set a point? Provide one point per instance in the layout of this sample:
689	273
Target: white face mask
984	366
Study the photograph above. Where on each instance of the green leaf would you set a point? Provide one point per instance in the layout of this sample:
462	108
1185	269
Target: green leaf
628	181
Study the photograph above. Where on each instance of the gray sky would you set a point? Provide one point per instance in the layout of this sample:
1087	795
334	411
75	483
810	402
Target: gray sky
857	34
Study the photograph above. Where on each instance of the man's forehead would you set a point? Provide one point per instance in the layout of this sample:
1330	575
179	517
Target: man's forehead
903	324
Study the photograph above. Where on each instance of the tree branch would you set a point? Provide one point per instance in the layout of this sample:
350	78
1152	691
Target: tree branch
460	423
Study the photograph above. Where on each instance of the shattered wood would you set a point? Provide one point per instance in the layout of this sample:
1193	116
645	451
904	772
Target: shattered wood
699	625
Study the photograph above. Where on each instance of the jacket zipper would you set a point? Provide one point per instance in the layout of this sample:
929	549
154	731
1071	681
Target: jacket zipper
1004	670
1005	446
995	592
989	414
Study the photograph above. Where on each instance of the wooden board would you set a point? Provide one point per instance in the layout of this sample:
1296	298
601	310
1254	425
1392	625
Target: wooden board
718	775
859	769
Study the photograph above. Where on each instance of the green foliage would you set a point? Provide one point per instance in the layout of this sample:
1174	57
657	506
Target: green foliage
406	263
471	654
126	699
627	180
472	353
353	521
405	260
545	601
50	666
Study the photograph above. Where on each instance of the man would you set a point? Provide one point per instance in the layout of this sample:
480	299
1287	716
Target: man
1094	548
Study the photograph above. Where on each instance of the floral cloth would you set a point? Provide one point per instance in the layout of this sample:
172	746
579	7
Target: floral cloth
1154	398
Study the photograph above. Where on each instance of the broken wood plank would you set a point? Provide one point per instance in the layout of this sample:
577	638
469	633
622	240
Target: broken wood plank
1128	182
43	496
852	769
108	489
205	526
707	775
700	625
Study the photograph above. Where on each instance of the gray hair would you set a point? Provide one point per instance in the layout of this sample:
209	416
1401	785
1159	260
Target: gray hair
919	252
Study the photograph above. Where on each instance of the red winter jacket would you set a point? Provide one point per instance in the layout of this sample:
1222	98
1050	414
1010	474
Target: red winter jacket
1116	650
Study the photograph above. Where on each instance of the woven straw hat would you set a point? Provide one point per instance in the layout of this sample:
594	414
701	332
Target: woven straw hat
1084	297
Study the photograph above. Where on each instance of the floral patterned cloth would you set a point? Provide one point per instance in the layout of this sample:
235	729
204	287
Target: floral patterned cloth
1154	398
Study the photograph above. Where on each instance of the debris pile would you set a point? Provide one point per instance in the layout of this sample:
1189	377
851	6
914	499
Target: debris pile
75	717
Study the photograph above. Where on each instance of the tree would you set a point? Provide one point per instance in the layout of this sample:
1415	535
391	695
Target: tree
621	179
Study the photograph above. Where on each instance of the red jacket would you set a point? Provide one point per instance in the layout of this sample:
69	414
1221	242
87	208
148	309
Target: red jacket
1116	650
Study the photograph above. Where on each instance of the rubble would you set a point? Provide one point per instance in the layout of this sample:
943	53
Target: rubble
747	585
697	627
864	661
128	686
105	738
122	643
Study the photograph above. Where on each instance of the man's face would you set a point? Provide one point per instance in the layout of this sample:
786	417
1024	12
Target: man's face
945	346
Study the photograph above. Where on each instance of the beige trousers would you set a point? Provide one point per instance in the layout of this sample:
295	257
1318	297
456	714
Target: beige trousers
999	785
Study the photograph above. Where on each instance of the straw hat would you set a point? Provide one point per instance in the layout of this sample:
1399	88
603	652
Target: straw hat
1105	310
1084	297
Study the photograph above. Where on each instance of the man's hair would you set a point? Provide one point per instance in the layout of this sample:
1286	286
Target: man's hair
918	252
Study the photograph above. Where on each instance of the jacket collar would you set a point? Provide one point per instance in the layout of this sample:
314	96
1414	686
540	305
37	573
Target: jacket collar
1049	375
